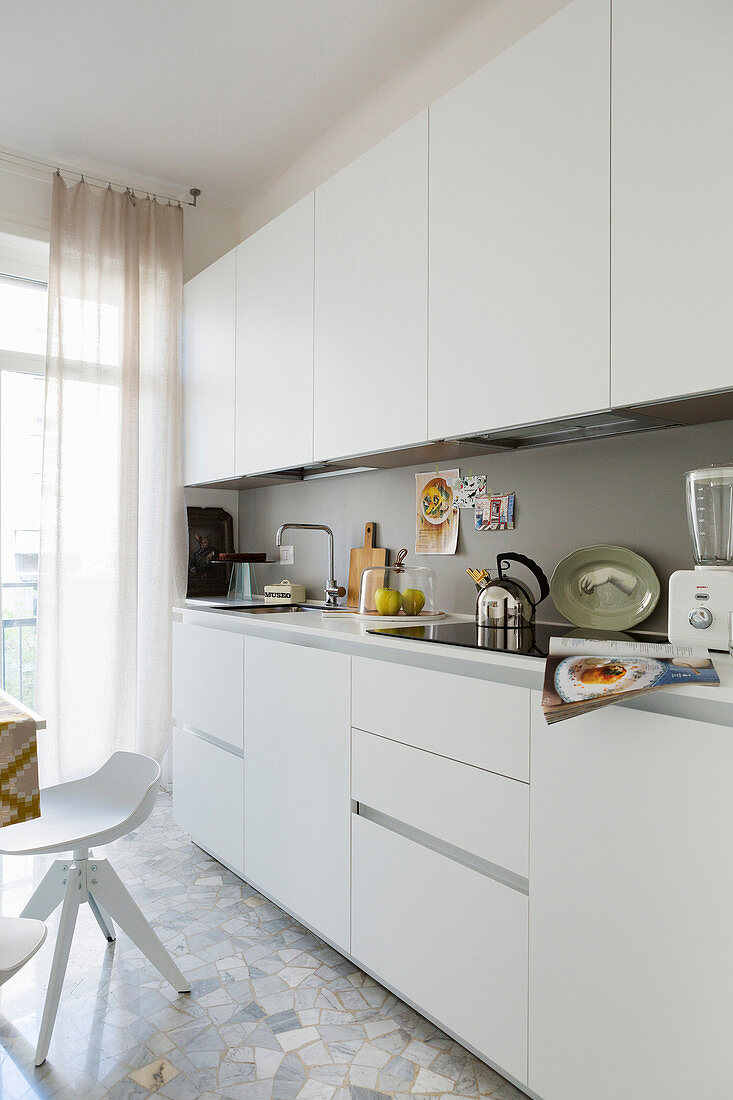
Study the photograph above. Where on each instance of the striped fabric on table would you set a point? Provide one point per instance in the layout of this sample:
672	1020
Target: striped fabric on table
20	797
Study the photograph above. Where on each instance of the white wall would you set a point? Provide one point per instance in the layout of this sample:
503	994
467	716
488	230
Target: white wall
209	230
491	28
25	205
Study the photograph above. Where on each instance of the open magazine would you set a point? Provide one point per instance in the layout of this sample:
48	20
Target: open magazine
582	675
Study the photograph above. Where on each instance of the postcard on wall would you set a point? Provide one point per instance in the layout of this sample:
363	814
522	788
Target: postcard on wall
436	514
495	512
466	489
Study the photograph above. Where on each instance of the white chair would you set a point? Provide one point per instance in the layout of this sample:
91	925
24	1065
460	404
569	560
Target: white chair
75	817
20	938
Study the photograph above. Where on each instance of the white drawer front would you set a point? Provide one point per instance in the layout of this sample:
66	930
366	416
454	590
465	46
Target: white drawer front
476	721
446	937
208	681
208	797
475	810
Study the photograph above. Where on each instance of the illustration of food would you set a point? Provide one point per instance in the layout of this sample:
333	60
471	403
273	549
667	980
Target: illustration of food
603	674
432	502
436	499
387	601
413	601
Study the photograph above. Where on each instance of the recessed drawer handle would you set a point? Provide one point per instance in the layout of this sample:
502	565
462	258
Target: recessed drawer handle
443	848
209	738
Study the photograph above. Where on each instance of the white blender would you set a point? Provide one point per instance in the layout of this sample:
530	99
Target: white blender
701	599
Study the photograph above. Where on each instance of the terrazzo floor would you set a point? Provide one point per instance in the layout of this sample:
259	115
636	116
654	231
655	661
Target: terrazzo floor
273	1013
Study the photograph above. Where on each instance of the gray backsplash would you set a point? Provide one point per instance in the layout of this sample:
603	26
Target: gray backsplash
627	490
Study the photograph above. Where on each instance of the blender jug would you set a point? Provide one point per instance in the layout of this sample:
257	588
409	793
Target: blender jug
710	515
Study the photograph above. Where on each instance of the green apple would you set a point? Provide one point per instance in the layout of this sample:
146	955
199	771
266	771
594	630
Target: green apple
413	601
387	601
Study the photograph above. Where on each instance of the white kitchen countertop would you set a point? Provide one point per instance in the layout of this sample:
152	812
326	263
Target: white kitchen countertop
347	634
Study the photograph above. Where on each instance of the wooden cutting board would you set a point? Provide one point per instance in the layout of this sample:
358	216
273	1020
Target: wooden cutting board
363	557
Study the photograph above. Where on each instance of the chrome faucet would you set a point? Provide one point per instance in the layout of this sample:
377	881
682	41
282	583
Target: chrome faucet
332	591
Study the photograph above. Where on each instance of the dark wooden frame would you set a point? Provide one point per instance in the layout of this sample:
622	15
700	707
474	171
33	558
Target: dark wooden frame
217	525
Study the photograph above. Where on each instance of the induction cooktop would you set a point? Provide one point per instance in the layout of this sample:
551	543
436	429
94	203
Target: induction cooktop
525	641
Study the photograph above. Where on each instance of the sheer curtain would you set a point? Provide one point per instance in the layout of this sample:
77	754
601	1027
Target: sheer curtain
113	530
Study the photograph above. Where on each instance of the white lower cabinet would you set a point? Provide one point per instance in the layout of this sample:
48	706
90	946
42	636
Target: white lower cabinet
575	933
448	938
631	953
479	722
475	811
208	789
297	789
439	889
208	679
208	770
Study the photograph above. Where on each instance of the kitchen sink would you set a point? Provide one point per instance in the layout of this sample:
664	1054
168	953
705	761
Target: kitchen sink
268	609
276	609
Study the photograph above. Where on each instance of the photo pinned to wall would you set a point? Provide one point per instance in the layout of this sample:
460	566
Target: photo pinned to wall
467	489
436	514
495	512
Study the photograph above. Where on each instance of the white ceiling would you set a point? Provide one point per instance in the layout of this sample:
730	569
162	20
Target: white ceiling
219	94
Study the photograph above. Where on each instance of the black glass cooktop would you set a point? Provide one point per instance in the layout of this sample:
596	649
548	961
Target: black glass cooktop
527	641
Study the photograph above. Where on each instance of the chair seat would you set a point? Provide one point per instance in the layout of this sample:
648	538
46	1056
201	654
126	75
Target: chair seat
20	938
84	812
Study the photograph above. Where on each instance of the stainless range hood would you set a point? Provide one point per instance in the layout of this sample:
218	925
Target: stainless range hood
571	430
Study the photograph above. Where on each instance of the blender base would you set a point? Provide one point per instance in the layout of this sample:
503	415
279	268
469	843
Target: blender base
700	603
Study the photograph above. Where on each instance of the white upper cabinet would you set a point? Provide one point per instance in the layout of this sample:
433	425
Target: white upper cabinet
371	299
519	232
209	377
671	198
274	420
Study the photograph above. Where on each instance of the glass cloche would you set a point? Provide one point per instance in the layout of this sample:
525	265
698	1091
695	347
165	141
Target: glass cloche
399	592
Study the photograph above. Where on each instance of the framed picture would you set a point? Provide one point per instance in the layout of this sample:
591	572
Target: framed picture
210	533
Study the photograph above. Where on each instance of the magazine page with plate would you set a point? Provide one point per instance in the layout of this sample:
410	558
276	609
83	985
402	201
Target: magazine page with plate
579	678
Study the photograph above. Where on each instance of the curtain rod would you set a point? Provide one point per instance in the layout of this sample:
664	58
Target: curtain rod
17	161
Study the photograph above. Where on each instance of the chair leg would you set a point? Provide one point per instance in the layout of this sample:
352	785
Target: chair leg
114	896
49	893
102	918
67	924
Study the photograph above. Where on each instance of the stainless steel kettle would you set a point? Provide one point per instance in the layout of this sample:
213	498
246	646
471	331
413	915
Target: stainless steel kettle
507	603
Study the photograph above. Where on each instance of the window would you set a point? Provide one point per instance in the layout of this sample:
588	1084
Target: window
23	304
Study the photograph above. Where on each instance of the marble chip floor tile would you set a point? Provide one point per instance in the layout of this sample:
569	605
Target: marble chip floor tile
274	1013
